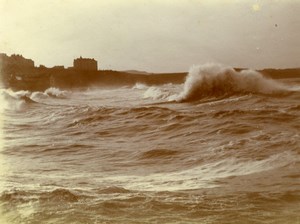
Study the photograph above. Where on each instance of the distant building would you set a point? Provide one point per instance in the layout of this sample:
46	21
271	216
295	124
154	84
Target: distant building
15	61
88	64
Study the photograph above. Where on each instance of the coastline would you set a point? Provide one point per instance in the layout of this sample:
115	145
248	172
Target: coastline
39	79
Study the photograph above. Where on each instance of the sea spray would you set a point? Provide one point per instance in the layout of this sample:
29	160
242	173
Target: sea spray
213	80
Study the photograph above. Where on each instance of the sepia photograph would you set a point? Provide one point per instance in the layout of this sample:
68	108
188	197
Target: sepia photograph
150	111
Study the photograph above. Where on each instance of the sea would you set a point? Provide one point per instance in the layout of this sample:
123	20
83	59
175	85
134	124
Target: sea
222	147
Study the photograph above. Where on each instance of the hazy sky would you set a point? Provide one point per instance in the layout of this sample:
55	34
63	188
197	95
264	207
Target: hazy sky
153	35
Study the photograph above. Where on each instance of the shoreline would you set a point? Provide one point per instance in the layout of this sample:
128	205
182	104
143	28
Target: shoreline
39	79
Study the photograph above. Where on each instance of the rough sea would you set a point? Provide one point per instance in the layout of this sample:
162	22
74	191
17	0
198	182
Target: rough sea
223	147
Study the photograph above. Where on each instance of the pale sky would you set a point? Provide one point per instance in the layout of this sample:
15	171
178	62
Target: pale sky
153	35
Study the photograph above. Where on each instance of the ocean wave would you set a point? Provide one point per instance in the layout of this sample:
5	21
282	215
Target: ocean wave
17	100
89	115
214	80
18	196
62	195
95	116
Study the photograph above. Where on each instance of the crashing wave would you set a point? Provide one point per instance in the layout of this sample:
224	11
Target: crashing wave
214	80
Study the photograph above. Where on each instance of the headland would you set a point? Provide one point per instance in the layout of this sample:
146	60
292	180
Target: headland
19	73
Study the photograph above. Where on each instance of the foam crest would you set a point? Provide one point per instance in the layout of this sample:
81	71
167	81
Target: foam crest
155	93
55	92
213	80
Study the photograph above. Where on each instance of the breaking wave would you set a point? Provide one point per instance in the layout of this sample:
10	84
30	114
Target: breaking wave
17	100
56	93
51	92
215	80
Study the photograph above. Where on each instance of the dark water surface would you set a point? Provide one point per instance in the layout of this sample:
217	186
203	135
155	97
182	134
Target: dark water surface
222	148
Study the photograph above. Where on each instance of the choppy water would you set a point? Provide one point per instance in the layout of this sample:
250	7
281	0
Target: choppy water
222	148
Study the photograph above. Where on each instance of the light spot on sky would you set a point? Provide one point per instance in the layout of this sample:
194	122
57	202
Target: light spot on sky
256	7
